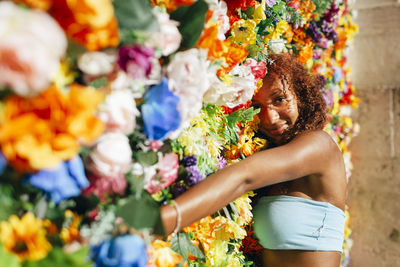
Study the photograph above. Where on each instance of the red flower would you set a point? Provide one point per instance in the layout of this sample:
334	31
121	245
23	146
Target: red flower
250	244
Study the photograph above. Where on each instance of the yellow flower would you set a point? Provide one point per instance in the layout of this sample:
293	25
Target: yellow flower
243	207
231	230
280	28
243	32
192	140
25	237
161	255
71	233
234	260
259	12
64	75
216	256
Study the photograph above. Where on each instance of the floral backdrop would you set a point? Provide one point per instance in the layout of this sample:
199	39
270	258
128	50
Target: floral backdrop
110	109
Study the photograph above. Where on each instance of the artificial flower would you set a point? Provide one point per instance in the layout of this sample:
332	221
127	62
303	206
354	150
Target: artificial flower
167	173
161	255
25	237
169	37
125	250
119	111
96	63
159	111
136	60
90	23
242	31
41	132
28	70
111	155
65	181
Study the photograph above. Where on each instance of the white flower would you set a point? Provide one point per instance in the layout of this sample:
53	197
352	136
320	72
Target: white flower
31	46
220	9
111	156
239	91
97	63
169	37
188	75
119	111
276	46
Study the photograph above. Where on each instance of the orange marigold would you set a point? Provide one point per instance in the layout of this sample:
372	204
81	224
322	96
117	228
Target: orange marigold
37	4
90	23
40	132
306	53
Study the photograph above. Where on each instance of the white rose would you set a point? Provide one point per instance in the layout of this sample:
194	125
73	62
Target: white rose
169	38
97	63
119	111
276	46
239	91
31	46
111	156
220	9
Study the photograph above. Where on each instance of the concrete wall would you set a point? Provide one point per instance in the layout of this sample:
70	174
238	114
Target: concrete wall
374	189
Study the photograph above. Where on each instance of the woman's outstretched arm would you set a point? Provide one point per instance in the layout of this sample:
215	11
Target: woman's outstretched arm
310	153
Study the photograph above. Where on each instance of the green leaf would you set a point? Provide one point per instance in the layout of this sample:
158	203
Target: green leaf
99	82
135	15
147	158
143	213
181	244
8	259
191	22
57	257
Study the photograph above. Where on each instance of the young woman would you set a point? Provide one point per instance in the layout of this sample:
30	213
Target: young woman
299	219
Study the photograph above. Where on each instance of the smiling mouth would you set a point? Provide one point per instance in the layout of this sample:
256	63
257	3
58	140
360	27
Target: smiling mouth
277	130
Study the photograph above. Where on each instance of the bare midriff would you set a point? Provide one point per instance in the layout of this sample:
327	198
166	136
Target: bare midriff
297	258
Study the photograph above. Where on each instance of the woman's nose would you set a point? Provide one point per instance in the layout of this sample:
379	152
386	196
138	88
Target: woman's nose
271	115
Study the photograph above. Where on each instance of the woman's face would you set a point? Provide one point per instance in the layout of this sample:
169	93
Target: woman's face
278	104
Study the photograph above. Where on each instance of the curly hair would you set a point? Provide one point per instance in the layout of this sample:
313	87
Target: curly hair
308	90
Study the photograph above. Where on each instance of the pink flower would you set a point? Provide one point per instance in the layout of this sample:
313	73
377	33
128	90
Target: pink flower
111	156
258	69
166	175
31	46
156	145
119	112
104	186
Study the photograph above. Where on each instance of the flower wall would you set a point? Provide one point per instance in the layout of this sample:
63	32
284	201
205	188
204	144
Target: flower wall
110	109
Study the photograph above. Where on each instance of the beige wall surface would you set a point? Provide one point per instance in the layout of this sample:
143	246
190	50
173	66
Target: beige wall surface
374	187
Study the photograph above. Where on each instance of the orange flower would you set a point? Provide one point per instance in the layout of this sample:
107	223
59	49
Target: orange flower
306	53
209	40
306	10
37	4
71	233
233	54
90	23
40	132
161	255
171	5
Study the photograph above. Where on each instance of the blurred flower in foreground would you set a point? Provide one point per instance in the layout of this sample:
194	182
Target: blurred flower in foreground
28	69
25	237
161	255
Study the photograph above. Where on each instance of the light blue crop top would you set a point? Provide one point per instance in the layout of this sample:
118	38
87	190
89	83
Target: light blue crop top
295	223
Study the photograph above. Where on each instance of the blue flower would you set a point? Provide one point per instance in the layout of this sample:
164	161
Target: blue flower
121	251
160	114
65	181
3	163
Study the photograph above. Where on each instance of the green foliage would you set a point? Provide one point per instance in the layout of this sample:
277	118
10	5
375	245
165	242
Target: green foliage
239	116
147	159
141	213
99	82
182	245
320	7
8	259
135	15
57	257
191	22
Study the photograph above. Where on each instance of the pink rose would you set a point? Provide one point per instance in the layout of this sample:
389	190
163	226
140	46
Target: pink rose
119	112
258	69
31	46
111	156
103	186
167	173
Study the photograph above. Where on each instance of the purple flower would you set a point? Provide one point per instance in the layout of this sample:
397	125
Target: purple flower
270	3
328	31
328	97
189	161
178	189
65	181
194	176
159	111
121	251
314	32
221	162
136	60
